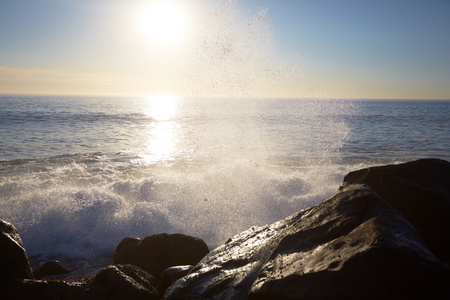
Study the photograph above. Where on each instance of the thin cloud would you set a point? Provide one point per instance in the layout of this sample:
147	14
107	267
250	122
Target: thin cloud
54	76
16	80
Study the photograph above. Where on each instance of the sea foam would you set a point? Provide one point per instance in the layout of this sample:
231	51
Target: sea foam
83	209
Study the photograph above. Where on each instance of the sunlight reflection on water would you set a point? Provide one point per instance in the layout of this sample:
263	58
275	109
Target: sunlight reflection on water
162	135
161	107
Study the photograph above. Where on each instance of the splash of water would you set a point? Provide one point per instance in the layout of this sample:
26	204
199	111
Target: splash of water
229	177
84	209
233	55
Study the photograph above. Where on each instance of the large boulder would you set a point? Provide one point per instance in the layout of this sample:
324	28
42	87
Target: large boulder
354	245
421	191
14	262
158	252
122	282
126	251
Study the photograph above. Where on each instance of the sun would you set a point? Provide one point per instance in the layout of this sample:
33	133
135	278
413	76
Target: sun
164	23
161	107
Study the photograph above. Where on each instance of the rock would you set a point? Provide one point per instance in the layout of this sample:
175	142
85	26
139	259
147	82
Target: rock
42	289
160	251
126	251
51	268
354	245
122	282
14	260
421	191
172	274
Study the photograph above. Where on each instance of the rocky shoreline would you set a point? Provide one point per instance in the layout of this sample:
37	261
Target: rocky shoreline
384	235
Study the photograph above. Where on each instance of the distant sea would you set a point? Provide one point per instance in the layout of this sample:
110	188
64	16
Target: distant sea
78	174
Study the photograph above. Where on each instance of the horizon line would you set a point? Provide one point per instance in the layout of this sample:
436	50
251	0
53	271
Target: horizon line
218	96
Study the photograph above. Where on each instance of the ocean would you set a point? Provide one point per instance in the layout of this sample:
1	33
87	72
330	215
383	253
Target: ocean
79	173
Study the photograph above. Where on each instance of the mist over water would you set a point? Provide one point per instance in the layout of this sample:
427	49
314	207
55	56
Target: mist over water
233	54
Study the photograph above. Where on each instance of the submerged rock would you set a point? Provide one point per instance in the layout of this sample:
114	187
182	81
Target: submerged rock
14	260
158	252
353	245
421	191
122	282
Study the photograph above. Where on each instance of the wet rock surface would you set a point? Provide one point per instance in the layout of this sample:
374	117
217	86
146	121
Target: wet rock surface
14	260
421	191
354	245
158	252
122	282
170	275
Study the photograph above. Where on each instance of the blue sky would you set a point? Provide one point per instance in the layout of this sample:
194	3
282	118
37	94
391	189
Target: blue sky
403	42
322	48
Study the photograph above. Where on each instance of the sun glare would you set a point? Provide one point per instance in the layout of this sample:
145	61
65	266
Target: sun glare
164	23
161	107
162	133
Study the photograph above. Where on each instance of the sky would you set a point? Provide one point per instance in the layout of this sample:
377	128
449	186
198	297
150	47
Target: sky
300	48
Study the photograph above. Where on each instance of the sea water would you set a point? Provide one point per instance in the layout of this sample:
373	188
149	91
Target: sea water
78	174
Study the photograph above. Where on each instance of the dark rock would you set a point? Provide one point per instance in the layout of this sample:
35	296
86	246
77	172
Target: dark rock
51	268
160	251
126	251
14	260
122	282
354	245
42	289
421	191
172	274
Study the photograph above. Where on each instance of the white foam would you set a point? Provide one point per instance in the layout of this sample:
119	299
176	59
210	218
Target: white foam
79	211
